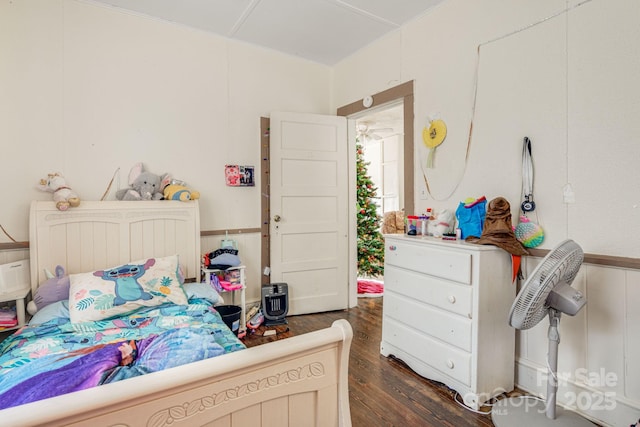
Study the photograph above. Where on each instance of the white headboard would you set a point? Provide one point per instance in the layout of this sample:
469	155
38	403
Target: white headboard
97	235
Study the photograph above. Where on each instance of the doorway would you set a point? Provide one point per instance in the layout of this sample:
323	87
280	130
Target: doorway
401	95
397	96
381	133
378	176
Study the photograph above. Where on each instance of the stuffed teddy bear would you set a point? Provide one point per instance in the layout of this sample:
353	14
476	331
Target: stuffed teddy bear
55	289
393	222
174	189
62	195
443	222
143	185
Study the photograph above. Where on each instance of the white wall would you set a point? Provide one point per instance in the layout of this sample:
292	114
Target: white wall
569	83
86	89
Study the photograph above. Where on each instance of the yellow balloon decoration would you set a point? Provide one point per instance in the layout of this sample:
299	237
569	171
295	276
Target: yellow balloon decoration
433	136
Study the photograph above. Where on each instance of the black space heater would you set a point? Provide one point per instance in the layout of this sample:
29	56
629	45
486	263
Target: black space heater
275	303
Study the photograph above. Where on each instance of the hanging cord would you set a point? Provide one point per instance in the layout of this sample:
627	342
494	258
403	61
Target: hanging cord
466	156
528	205
530	235
7	234
106	192
528	181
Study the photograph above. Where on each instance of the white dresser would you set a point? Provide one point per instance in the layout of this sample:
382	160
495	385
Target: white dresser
445	313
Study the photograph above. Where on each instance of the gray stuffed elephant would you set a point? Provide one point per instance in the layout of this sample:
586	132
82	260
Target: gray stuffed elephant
143	185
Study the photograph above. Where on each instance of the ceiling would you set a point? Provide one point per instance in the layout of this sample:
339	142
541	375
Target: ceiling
322	31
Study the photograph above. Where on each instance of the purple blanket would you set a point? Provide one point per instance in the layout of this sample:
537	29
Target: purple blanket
31	370
103	364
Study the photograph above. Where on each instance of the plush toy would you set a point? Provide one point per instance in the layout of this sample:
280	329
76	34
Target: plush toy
393	222
180	192
55	289
444	222
62	195
143	185
174	189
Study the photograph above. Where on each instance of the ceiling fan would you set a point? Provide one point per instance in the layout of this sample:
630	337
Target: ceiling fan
366	132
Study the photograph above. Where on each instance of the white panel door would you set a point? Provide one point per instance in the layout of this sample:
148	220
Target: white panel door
309	188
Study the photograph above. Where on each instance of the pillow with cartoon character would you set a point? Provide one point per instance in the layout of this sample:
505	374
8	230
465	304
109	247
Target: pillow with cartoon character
104	294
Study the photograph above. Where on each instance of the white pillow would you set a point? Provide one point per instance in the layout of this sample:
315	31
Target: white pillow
102	294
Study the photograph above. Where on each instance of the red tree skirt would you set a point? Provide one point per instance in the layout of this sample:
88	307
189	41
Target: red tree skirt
370	288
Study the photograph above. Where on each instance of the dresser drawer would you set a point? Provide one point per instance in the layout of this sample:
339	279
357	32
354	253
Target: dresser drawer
447	327
444	313
447	264
446	359
450	296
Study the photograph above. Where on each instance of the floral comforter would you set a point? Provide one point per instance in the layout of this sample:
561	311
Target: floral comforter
58	357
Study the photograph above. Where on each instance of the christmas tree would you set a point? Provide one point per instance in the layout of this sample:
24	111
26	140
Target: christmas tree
370	241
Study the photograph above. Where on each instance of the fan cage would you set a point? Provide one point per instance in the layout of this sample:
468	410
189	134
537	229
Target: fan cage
561	264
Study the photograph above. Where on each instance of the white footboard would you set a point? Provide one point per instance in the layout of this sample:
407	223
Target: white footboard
299	381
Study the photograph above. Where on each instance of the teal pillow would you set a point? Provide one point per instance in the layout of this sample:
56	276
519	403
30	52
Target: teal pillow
204	291
58	309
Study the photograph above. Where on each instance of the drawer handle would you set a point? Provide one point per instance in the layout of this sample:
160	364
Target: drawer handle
450	364
393	248
452	299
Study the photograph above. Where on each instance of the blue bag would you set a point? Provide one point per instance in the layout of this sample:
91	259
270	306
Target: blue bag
471	217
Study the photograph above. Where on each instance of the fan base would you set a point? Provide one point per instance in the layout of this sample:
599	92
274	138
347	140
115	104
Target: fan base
528	412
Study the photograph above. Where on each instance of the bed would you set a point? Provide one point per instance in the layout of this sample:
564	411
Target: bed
302	380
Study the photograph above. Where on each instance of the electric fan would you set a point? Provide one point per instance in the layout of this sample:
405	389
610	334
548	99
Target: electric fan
366	132
547	291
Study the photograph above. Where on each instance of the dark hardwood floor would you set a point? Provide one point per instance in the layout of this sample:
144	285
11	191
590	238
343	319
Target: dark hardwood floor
383	391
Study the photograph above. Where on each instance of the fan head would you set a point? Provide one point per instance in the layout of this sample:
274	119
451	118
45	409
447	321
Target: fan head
549	287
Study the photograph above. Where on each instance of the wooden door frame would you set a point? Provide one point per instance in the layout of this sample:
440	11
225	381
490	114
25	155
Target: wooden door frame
404	93
265	194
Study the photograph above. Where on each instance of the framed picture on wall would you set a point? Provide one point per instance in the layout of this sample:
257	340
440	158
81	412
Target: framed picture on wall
239	176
